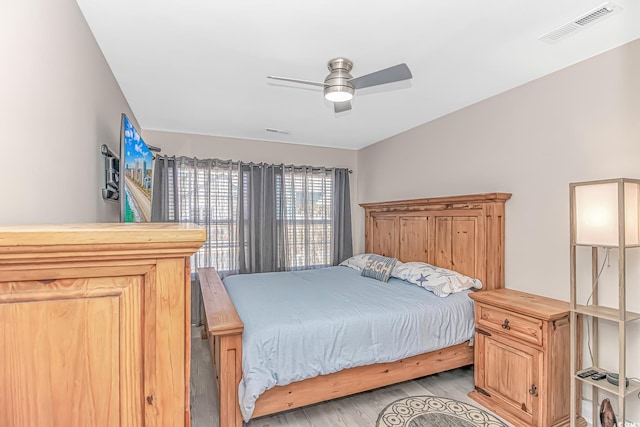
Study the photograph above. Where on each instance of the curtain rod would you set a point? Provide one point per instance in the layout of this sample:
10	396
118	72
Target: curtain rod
234	163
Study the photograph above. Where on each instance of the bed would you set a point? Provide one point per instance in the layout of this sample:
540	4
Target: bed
461	233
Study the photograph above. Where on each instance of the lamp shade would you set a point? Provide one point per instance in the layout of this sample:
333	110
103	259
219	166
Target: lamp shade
596	212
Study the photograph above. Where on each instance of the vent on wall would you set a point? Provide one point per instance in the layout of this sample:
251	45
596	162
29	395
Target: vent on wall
589	18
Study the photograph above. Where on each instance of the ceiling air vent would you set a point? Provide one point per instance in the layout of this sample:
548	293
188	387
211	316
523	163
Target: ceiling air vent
272	130
589	18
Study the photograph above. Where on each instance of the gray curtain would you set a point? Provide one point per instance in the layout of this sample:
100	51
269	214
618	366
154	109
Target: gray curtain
260	219
342	241
165	198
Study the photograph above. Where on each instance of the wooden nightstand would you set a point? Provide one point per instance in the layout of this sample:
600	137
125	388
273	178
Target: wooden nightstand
522	357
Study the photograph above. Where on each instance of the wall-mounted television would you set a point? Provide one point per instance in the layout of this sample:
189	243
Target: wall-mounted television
136	175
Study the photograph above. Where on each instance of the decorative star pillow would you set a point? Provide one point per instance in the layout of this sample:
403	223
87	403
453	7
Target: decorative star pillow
440	281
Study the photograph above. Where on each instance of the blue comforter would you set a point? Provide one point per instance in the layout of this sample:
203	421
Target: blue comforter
302	324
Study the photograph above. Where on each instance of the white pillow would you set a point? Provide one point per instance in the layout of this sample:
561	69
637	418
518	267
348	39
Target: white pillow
358	262
440	281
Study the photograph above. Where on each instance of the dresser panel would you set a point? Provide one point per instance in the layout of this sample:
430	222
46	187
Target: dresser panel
61	369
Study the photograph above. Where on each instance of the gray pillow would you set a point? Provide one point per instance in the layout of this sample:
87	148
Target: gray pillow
379	267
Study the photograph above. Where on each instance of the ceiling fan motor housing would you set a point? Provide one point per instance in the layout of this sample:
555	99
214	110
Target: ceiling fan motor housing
338	81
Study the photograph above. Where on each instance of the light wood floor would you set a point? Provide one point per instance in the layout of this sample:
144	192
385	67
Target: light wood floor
360	410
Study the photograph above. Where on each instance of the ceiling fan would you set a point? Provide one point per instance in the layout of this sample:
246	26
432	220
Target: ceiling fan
339	86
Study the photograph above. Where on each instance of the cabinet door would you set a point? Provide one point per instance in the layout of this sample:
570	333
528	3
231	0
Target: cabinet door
72	352
511	374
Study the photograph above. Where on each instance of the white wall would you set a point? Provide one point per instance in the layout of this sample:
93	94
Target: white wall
204	147
581	123
59	102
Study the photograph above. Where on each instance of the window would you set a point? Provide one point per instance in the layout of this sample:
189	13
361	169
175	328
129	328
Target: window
207	196
308	213
299	222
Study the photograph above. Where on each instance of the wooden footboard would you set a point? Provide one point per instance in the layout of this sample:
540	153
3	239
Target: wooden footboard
361	378
224	329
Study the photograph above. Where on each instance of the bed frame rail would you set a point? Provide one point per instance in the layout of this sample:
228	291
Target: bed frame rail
224	329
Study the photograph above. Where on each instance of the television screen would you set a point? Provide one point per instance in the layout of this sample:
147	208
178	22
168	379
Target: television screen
136	168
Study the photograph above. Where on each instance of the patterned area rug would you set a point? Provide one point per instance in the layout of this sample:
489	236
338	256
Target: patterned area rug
431	411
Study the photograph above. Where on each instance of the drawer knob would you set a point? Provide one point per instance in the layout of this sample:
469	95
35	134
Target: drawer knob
505	324
533	390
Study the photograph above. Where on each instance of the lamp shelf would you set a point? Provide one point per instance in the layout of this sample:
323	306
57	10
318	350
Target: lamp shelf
607	313
633	387
599	245
603	214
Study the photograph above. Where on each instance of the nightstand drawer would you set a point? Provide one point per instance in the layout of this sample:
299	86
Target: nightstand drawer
521	327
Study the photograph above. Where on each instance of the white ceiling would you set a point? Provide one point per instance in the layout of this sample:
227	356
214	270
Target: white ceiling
200	66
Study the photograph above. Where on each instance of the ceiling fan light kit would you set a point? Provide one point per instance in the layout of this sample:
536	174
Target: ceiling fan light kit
338	93
339	86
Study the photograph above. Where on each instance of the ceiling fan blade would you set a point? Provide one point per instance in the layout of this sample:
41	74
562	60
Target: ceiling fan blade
388	75
306	82
339	107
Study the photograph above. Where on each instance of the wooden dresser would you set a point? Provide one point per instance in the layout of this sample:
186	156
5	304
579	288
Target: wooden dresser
94	324
522	357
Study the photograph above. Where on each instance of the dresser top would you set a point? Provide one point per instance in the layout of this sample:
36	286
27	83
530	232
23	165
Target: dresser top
524	303
99	233
31	244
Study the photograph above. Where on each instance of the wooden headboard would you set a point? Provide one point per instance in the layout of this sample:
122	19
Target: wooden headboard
461	233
